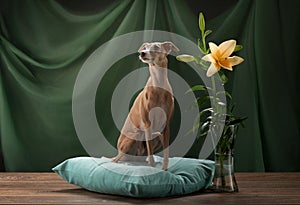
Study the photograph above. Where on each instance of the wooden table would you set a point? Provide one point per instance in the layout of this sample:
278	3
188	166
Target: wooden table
49	188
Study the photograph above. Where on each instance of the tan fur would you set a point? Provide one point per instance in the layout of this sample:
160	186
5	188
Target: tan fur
147	126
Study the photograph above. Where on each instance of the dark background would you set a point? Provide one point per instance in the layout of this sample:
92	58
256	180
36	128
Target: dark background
36	124
212	8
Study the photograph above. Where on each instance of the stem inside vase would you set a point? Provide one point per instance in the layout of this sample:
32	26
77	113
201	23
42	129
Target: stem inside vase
224	179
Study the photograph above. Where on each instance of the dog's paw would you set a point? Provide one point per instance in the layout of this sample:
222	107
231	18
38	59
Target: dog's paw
165	168
151	161
165	164
115	159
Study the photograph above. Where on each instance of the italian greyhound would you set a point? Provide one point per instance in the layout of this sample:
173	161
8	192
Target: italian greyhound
147	127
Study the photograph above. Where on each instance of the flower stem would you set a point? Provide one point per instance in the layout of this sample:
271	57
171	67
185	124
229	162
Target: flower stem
213	85
203	41
214	96
221	159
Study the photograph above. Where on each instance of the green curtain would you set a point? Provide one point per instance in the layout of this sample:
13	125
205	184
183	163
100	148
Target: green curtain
265	86
43	46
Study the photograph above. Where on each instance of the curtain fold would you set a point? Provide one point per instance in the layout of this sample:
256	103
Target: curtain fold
43	46
267	30
42	49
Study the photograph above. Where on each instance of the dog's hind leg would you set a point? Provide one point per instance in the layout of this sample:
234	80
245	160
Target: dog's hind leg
126	146
118	157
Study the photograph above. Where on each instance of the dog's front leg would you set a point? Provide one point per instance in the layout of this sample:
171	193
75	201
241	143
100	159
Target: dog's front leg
148	136
165	138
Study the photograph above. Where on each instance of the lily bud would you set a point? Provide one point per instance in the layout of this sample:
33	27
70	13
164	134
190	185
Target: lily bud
185	58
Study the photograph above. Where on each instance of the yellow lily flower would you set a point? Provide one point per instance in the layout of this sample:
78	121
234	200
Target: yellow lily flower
220	57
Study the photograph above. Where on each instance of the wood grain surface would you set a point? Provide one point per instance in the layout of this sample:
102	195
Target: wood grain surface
49	188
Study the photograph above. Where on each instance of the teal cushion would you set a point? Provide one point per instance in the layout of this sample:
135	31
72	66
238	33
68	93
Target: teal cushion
184	176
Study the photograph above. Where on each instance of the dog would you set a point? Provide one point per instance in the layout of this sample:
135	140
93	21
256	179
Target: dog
147	127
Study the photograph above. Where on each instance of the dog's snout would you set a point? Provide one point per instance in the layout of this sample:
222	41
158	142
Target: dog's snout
142	54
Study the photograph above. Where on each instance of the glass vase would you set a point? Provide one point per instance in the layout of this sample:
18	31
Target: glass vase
224	179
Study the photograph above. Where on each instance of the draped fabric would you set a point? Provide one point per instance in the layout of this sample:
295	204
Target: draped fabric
43	46
265	86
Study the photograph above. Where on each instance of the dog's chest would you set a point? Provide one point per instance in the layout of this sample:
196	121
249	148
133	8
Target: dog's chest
159	79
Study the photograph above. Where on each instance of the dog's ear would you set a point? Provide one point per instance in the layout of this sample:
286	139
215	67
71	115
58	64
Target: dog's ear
142	47
169	46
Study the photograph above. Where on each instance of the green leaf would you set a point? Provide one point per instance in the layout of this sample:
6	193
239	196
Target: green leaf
238	48
232	108
204	65
203	134
205	125
201	22
207	33
201	46
221	103
203	100
224	93
196	88
198	60
200	114
237	121
204	129
196	126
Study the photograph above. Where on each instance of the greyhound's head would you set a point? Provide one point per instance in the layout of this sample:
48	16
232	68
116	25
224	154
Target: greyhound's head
156	53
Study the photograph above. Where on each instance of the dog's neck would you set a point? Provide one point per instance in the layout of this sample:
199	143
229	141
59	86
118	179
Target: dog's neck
159	76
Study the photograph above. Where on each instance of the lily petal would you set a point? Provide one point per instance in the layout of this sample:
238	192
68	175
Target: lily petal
226	64
214	49
209	58
213	68
235	60
226	48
